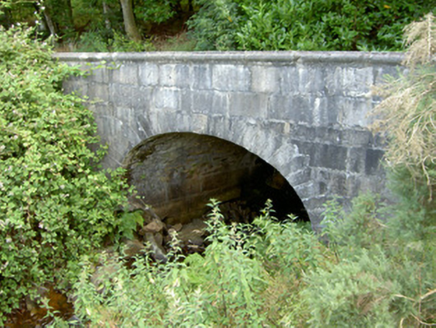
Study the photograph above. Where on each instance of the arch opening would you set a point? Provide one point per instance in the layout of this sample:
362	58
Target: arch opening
178	173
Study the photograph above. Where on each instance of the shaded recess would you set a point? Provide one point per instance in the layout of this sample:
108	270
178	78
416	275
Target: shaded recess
178	173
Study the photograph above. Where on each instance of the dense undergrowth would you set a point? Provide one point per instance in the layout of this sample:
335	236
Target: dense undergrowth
276	274
378	268
54	205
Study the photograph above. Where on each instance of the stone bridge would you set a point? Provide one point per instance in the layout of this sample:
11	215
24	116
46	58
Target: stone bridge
190	126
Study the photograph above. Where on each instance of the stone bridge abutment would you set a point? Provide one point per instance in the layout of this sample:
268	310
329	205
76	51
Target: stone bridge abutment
303	113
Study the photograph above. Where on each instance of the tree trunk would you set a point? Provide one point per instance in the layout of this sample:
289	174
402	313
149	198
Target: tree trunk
107	22
49	23
129	20
47	19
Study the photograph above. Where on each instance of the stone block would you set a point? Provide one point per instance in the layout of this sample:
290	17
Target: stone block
380	73
289	80
199	123
265	79
148	74
299	177
248	104
202	101
99	92
220	126
166	98
329	135
353	185
101	75
141	98
220	103
76	85
125	74
334	103
305	191
373	161
357	82
304	133
333	80
301	111
201	77
311	80
231	77
353	112
121	95
324	155
357	137
174	75
186	100
319	106
278	107
290	108
356	160
349	81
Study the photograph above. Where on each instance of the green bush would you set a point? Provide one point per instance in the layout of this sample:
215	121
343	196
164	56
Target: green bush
54	206
215	25
273	274
243	279
116	42
304	25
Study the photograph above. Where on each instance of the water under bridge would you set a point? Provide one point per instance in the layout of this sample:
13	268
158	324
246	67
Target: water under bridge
291	126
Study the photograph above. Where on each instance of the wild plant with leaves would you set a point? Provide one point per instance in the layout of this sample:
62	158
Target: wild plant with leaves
247	277
55	206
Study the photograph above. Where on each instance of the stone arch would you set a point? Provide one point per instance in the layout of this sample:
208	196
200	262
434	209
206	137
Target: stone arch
178	172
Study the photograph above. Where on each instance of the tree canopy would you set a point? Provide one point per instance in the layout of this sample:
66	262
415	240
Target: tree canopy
135	25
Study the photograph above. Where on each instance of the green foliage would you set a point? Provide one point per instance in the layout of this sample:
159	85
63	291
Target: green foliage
97	42
304	25
276	274
129	222
215	25
383	269
54	206
153	11
237	282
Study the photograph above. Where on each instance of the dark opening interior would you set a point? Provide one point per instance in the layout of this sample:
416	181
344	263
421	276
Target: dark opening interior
178	173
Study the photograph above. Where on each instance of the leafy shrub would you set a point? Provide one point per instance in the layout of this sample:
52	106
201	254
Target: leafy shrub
304	25
152	11
54	205
216	24
383	269
273	274
98	42
240	280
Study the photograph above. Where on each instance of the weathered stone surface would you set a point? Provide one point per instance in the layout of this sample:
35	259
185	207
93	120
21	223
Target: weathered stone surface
305	113
155	244
193	232
154	226
133	247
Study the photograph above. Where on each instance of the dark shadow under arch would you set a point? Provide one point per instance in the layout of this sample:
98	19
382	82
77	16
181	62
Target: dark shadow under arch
178	173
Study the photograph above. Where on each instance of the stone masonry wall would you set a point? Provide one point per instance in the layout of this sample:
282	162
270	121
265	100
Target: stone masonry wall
305	113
